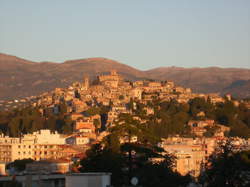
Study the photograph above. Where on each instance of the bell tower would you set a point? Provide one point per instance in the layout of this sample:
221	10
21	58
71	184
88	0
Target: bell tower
86	82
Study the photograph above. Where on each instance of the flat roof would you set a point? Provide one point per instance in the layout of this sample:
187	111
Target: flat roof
89	174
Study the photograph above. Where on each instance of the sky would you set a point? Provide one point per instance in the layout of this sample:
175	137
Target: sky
144	34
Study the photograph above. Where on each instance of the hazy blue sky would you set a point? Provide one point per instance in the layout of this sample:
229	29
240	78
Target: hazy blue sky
141	33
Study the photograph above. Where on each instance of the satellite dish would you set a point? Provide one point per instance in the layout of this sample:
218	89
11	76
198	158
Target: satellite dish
134	181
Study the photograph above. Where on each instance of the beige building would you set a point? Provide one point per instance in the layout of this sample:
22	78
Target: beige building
136	93
111	80
189	158
78	139
48	166
2	168
40	145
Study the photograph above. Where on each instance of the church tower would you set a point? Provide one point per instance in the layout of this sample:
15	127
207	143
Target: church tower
113	72
86	82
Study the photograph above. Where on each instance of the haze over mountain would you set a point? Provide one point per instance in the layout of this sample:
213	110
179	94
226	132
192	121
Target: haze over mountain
21	78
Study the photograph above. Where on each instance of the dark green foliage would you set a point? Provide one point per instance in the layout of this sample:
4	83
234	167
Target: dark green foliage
127	127
201	105
240	129
104	160
104	109
244	114
123	167
169	118
20	165
125	159
95	82
159	174
13	183
226	113
210	131
51	122
230	167
26	120
63	108
172	118
93	111
121	97
29	119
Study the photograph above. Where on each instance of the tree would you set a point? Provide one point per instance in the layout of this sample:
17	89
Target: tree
63	108
160	175
104	160
19	165
119	154
196	105
37	124
239	129
97	124
50	123
14	183
14	127
67	127
226	113
128	127
229	167
121	97
93	111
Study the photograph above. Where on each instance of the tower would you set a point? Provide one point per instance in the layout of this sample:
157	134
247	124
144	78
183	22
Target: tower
86	82
113	72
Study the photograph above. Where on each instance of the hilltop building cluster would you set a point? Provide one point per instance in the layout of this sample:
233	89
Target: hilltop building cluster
112	90
115	93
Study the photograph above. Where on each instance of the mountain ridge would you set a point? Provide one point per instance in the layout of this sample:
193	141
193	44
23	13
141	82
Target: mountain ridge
20	77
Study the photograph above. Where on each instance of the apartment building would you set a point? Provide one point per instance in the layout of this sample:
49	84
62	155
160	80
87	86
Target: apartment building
39	145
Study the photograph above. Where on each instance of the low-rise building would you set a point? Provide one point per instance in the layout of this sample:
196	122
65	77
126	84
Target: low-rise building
189	158
49	166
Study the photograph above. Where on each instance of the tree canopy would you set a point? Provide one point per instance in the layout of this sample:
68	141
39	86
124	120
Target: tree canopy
124	157
228	166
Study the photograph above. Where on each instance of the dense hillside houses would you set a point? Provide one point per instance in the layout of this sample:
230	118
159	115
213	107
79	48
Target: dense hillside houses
114	89
87	111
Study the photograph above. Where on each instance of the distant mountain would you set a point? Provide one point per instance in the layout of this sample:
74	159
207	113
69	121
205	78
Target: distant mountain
239	88
21	78
205	80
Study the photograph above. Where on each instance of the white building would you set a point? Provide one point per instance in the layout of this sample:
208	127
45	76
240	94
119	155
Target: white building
88	180
39	145
45	136
2	168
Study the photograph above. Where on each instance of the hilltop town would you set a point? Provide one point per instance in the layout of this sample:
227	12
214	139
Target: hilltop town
113	89
92	108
